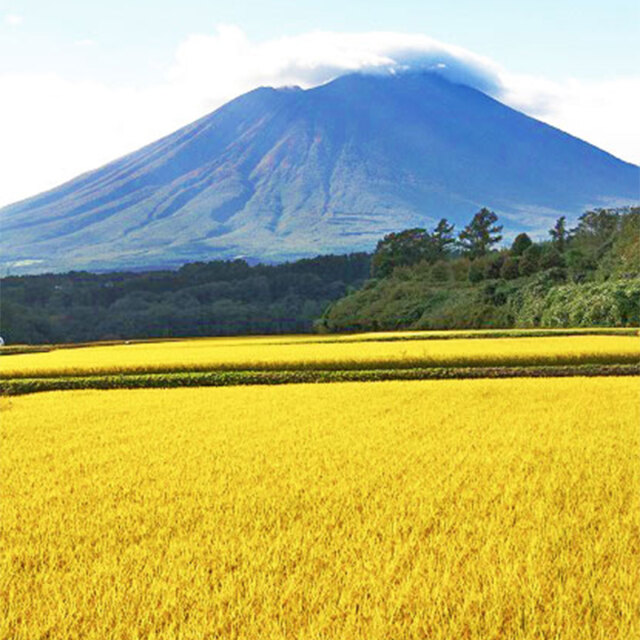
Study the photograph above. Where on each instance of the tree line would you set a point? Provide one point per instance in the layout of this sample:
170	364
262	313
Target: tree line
581	276
415	278
579	249
199	299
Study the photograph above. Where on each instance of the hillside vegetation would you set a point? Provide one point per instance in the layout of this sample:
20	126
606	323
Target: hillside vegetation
586	276
199	299
582	277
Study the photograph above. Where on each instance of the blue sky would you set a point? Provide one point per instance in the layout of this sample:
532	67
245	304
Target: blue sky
84	82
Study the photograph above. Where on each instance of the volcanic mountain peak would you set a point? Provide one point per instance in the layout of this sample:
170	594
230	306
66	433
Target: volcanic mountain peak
284	173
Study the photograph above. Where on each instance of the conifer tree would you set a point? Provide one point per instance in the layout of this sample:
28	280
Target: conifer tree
480	234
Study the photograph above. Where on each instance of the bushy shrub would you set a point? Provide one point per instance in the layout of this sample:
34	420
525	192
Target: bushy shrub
493	265
460	269
509	269
476	271
580	264
441	271
550	257
612	303
530	260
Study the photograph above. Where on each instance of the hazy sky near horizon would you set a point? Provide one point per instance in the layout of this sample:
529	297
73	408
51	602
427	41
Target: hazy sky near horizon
82	83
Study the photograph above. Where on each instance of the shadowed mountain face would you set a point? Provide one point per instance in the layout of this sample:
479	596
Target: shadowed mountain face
279	174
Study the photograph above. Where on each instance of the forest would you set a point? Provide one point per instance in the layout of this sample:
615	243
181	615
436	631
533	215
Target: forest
577	277
588	275
200	299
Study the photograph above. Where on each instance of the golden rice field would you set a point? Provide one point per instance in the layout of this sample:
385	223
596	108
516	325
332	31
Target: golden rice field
306	353
478	509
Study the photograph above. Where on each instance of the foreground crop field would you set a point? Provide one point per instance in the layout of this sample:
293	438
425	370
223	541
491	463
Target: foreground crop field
304	353
434	509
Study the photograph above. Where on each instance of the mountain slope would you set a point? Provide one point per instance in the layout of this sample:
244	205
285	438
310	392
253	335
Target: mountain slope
284	173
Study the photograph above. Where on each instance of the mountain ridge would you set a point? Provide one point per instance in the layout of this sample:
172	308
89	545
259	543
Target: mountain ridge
279	174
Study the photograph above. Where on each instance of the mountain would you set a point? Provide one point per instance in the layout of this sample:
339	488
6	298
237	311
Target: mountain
283	173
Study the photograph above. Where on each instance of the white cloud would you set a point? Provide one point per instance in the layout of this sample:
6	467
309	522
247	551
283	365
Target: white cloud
85	42
227	59
602	112
53	129
13	20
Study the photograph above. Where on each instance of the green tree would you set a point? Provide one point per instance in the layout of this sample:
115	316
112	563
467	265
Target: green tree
551	258
599	224
530	260
509	269
477	238
400	250
442	237
581	264
520	244
476	271
493	266
624	258
559	234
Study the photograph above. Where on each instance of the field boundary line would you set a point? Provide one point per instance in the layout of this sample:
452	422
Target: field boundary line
21	386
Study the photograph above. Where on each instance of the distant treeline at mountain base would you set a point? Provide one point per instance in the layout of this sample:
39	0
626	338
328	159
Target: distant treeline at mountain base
580	277
200	299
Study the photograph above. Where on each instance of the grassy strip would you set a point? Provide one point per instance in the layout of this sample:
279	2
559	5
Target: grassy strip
479	333
19	386
24	348
15	349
